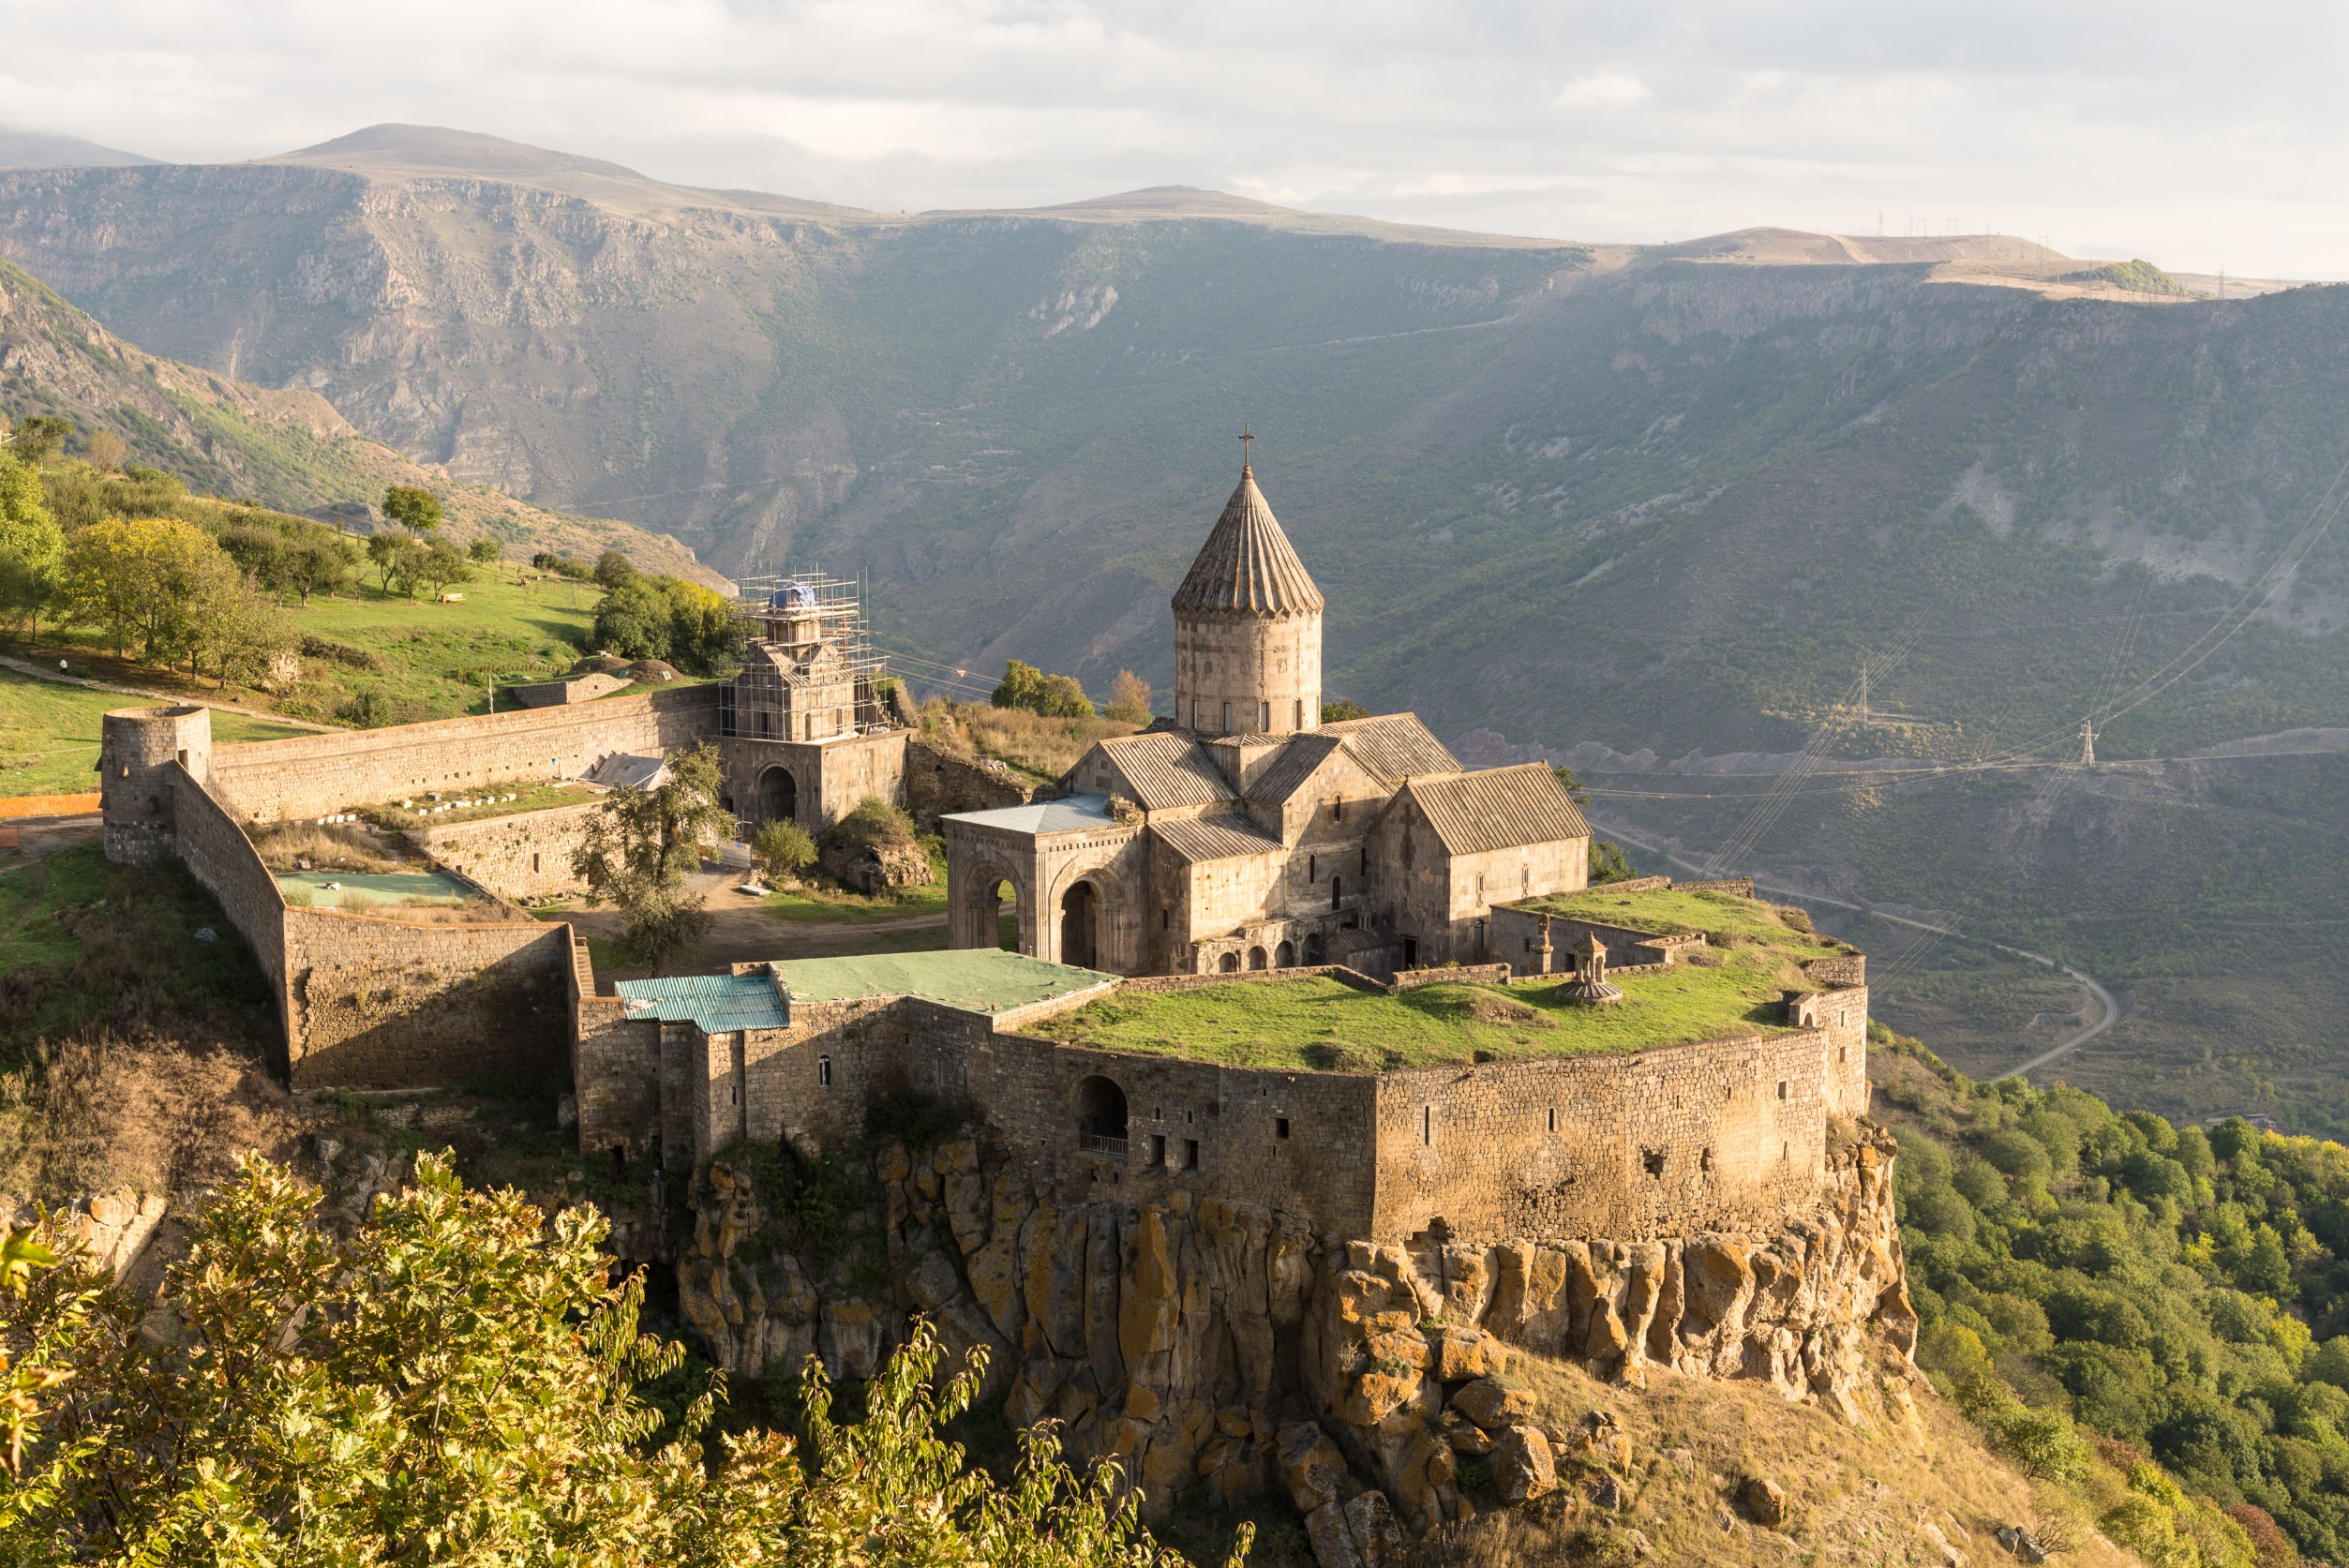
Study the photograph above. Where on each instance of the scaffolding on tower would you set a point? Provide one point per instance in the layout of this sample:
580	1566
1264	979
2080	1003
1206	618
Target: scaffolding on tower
815	606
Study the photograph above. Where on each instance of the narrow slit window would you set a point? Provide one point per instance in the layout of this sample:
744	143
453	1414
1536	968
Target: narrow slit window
823	1072
1782	1088
1427	1124
1553	1119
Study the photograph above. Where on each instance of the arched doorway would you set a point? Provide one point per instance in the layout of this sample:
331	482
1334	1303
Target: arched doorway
1080	917
1256	958
1004	921
1284	957
1100	1116
778	795
1229	963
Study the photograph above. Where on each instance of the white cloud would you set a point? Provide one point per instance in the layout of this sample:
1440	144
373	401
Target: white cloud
1601	90
2183	136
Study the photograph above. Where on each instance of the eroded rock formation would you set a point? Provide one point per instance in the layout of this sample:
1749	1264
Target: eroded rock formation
1221	1346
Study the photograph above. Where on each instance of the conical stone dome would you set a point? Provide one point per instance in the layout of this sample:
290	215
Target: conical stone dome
1247	566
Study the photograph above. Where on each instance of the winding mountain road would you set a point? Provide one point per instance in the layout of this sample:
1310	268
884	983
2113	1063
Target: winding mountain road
2104	997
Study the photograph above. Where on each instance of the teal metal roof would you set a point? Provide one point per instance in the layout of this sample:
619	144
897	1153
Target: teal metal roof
718	1003
980	979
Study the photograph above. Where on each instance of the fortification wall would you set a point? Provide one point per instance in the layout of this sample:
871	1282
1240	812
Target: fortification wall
1713	1136
220	858
1301	1140
397	1005
310	775
522	857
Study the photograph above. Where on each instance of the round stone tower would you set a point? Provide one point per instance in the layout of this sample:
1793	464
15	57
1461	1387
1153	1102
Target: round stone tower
1248	628
137	747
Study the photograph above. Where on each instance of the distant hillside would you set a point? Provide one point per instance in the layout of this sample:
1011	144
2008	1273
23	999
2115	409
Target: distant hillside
42	149
286	449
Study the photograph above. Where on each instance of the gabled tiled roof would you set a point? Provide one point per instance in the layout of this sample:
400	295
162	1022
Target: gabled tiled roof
718	1003
1214	838
1288	772
1500	808
1247	566
1167	767
1395	746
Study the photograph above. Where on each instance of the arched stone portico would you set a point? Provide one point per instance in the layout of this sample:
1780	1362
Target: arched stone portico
974	910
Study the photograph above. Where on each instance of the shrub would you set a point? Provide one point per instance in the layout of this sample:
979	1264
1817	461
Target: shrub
783	849
485	550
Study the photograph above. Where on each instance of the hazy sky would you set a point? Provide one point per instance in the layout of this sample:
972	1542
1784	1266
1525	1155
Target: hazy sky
2194	135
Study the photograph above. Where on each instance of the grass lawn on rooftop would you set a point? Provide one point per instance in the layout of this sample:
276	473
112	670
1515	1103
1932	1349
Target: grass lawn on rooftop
1726	919
1315	1023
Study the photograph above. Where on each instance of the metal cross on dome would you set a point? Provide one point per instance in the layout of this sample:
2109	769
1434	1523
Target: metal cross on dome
1247	436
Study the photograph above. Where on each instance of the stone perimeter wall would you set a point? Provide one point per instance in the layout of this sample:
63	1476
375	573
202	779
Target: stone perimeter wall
394	1005
310	775
525	856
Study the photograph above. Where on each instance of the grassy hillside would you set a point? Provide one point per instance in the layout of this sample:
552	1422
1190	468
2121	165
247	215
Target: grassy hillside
49	734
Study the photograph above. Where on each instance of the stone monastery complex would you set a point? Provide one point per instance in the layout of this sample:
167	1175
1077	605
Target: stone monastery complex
1318	1086
1241	841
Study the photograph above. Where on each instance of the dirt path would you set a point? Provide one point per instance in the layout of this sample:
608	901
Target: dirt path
2104	998
41	836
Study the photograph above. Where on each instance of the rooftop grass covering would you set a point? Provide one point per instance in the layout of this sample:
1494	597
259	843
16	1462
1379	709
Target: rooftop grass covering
1726	919
1315	1023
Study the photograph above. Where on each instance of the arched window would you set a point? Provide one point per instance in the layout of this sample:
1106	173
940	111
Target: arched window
1227	718
1284	956
1312	863
1366	860
1257	958
1100	1116
1337	890
823	1072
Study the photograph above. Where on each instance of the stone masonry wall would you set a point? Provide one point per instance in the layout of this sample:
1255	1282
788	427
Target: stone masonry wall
1719	1134
938	782
220	858
309	775
390	1005
522	857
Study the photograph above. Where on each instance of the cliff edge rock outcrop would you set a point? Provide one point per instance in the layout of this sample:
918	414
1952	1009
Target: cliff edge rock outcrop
1223	1346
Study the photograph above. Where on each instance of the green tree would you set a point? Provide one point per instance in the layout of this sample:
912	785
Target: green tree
439	566
1337	710
147	579
633	620
612	569
460	1381
484	551
783	850
1054	697
413	508
31	545
638	850
39	438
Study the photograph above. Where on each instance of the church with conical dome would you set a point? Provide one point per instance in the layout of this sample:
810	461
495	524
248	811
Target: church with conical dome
1244	833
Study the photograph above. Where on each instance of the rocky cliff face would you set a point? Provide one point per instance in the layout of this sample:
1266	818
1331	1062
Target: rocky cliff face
1224	1347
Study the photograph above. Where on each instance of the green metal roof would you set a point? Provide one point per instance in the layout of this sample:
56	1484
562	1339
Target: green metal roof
981	979
718	1003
